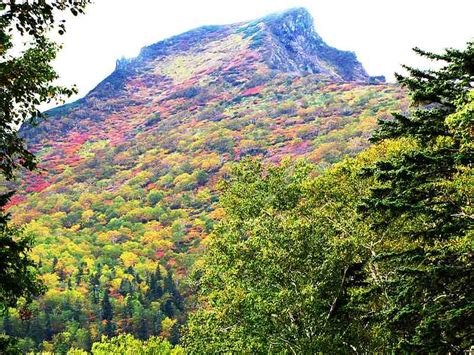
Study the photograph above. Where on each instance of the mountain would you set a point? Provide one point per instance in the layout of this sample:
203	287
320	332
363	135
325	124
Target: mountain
231	57
127	190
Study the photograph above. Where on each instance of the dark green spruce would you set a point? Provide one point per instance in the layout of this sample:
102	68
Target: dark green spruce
425	194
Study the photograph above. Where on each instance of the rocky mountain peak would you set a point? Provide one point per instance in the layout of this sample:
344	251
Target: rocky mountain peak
297	20
286	41
295	46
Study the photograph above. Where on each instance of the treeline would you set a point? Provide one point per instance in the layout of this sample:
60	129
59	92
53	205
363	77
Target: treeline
373	255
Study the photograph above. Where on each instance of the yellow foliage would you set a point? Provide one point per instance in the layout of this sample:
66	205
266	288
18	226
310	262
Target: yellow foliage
146	267
204	194
87	199
58	216
89	261
70	269
247	144
167	327
151	236
217	214
109	237
209	162
128	258
51	281
75	228
184	180
87	215
38	229
153	226
115	283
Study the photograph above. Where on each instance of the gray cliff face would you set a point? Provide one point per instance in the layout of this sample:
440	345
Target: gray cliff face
293	45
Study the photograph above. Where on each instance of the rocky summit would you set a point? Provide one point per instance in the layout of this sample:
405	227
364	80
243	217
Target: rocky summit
129	172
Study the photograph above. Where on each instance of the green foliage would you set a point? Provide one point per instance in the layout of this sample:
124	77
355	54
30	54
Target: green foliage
18	273
279	266
128	345
371	255
424	199
72	317
107	220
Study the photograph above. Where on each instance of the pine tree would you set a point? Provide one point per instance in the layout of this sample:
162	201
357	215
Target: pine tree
7	324
157	319
412	180
94	284
170	287
125	287
168	308
155	290
423	201
48	327
80	273
107	315
128	314
143	326
129	306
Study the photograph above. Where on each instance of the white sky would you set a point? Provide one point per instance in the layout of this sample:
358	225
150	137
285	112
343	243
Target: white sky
380	32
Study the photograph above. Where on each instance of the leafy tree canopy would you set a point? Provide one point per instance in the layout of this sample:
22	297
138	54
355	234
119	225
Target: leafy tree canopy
26	81
127	344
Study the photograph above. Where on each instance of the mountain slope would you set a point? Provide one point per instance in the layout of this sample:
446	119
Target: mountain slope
130	170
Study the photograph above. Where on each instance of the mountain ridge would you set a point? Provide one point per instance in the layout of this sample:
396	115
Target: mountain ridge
288	27
284	42
127	190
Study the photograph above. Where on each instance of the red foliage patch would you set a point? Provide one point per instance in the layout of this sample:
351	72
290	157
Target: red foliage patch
252	91
15	200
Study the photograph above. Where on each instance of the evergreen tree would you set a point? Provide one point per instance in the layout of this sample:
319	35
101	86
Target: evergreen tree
94	284
168	308
48	327
142	326
157	319
107	315
170	287
53	264
129	306
79	274
7	324
423	198
125	287
155	290
415	181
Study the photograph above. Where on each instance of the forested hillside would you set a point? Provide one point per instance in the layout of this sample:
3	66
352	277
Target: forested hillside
127	191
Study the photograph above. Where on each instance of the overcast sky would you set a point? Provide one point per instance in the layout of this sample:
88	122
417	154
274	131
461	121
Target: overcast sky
381	33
